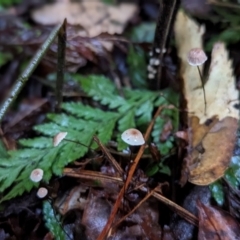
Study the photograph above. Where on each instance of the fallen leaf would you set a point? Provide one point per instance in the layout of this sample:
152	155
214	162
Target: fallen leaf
73	199
94	16
95	215
215	224
212	133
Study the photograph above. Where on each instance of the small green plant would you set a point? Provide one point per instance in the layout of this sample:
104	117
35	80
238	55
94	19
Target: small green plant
226	15
82	122
4	58
144	32
53	221
8	3
137	68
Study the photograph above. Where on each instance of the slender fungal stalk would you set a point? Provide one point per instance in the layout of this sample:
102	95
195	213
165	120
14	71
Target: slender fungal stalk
17	87
204	94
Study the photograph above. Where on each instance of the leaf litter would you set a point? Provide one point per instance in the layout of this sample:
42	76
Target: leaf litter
102	187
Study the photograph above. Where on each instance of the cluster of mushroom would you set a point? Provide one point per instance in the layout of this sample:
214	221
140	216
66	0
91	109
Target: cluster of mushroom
132	137
154	63
36	176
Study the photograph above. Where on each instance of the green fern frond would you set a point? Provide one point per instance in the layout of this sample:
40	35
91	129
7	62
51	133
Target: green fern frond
81	122
87	112
40	142
166	115
101	89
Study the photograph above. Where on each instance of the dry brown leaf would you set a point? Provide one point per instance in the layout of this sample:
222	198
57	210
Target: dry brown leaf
95	16
216	224
211	134
74	199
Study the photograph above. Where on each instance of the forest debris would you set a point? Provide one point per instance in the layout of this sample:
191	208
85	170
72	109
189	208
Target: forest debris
182	229
95	16
216	224
143	223
74	199
212	133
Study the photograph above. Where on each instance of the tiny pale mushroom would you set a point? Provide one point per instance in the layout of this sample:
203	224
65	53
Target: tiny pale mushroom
133	137
42	192
58	138
196	57
36	175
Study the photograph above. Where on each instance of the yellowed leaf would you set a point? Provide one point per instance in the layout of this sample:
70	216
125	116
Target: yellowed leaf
211	134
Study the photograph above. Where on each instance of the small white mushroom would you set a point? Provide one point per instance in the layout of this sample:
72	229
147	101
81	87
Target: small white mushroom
133	137
196	57
152	61
42	192
156	62
58	138
150	76
36	175
150	53
158	50
150	68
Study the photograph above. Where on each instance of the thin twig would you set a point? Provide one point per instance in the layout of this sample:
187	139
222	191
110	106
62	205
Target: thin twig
109	156
135	208
91	175
180	210
100	177
128	180
17	87
224	4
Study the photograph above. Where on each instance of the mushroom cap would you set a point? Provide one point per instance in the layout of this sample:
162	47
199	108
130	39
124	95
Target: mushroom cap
58	138
42	192
36	175
196	57
133	137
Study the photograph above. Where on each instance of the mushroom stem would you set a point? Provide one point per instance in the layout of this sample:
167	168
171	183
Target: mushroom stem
204	94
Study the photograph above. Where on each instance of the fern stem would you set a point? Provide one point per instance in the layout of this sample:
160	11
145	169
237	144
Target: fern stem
62	37
17	87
